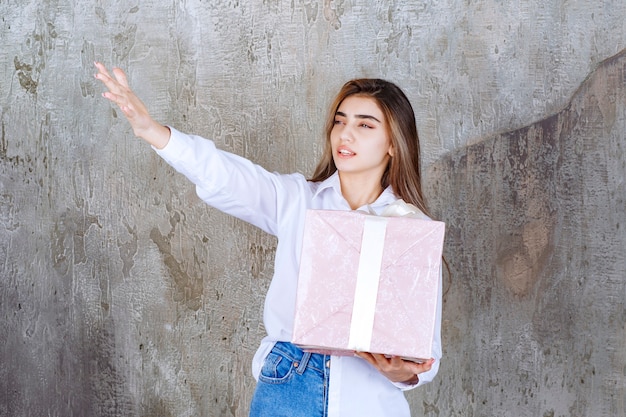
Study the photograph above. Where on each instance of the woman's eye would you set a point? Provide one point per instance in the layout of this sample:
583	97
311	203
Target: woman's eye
366	125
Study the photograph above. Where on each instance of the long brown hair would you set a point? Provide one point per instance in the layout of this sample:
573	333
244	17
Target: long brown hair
403	170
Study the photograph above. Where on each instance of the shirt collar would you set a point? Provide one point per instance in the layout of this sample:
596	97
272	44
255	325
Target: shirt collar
384	199
330	182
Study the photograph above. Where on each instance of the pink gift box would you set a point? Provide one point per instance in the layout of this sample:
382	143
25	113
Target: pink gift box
368	283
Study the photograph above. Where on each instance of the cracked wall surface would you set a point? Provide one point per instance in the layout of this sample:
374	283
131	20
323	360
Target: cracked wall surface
122	294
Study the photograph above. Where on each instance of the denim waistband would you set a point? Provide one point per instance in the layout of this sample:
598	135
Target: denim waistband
301	359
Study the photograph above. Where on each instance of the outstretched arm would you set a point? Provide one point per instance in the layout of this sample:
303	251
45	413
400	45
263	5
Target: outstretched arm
144	126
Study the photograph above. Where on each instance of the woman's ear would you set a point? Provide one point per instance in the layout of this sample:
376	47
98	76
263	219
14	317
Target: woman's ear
390	151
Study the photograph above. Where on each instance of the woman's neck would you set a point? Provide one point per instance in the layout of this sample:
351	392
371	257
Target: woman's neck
359	191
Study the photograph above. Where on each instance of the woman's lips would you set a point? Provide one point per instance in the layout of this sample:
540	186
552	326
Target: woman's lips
344	151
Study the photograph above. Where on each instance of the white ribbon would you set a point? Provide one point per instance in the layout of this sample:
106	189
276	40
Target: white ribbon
366	292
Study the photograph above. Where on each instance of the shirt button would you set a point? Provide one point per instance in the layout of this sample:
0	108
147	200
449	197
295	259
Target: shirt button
328	363
295	364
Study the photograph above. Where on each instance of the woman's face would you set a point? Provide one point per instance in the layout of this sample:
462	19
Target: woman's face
359	140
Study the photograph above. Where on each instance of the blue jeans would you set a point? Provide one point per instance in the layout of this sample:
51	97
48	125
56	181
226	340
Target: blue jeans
292	383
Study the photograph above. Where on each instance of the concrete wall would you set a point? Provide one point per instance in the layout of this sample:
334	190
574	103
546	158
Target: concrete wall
122	294
535	311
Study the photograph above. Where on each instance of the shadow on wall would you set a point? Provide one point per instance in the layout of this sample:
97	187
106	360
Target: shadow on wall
536	244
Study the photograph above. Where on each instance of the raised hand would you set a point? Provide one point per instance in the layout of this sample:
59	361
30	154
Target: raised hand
143	125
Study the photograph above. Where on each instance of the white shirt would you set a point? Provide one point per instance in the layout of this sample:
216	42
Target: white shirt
277	204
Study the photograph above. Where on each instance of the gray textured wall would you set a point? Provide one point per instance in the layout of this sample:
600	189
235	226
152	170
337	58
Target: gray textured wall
122	294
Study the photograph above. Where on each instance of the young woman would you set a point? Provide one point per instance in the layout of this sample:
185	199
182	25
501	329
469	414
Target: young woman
371	159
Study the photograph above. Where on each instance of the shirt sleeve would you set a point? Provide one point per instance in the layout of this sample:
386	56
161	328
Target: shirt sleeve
436	349
226	181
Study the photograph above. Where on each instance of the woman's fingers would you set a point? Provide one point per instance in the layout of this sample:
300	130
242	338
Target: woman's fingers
136	112
394	367
119	91
120	76
103	75
101	68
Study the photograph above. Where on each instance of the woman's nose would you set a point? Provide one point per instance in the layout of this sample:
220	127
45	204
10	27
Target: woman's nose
346	133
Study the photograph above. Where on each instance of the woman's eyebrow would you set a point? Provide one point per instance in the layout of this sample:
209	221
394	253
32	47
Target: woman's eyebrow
358	116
